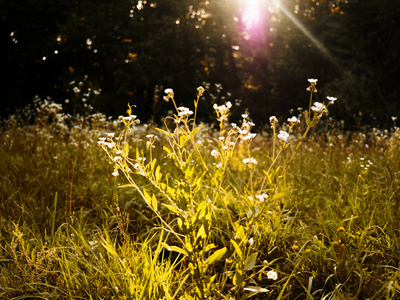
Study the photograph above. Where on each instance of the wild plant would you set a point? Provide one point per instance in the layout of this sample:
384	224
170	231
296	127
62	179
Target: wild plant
199	196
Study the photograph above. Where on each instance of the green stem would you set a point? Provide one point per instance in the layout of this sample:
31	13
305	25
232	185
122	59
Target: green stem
196	103
297	148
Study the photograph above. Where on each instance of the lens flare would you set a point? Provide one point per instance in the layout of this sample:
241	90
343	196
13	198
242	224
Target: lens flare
253	14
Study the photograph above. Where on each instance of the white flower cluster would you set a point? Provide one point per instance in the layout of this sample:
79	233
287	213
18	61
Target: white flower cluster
262	197
222	111
283	136
293	120
318	107
184	112
272	275
249	161
170	94
244	131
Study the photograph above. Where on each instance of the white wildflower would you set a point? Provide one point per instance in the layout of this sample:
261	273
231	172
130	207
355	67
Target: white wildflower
117	159
249	136
251	241
110	145
115	173
214	153
76	90
331	99
272	275
312	80
293	120
184	111
262	197
318	107
200	90
283	136
249	161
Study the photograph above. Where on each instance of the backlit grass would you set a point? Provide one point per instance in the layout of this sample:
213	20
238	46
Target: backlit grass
93	208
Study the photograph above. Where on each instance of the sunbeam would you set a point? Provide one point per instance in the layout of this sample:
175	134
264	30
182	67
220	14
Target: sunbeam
308	34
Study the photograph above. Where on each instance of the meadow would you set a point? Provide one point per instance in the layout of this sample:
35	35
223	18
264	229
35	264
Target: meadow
97	208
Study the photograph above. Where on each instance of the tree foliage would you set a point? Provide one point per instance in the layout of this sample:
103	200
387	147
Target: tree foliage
135	49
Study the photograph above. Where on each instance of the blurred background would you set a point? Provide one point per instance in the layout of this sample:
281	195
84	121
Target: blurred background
258	54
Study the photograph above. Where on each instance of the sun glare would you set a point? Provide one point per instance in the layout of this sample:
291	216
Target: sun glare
254	13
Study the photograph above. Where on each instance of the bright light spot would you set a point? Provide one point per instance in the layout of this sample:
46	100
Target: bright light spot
234	47
254	13
89	42
177	22
55	51
139	6
44	58
59	38
12	33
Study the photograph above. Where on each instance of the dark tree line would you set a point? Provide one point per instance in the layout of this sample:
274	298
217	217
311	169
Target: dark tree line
132	50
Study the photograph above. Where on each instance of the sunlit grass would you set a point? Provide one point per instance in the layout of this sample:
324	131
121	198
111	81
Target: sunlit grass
197	212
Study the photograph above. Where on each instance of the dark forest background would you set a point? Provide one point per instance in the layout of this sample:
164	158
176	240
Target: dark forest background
133	50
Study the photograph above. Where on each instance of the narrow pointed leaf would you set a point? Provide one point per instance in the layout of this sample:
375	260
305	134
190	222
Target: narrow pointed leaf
256	289
217	255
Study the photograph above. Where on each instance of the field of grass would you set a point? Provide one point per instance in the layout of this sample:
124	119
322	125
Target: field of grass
93	208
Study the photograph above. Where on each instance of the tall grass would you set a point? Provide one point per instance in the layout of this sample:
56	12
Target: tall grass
99	209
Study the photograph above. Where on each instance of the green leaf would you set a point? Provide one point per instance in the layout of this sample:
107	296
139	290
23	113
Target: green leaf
175	249
188	246
123	186
238	278
209	247
153	164
278	195
251	261
201	210
183	140
164	132
154	203
147	197
240	233
180	223
166	149
201	233
217	255
126	149
158	174
237	249
188	297
255	289
194	131
172	208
